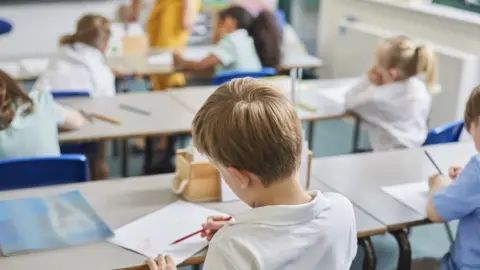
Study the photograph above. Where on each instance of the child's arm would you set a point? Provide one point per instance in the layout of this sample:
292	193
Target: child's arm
73	120
188	16
454	200
185	65
360	95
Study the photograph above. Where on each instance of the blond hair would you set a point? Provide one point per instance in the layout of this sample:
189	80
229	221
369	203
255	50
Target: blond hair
249	125
92	29
403	54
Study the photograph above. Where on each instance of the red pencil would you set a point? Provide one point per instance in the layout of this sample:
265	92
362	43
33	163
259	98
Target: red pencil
195	233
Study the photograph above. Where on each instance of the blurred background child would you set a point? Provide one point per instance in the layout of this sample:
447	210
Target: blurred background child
393	100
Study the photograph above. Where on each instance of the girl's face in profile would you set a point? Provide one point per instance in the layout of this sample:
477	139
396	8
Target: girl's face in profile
226	26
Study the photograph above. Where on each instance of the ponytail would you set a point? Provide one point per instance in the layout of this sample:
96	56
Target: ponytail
67	40
427	64
267	38
11	97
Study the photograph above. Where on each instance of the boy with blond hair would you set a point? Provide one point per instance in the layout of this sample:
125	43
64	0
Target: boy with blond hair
252	134
460	199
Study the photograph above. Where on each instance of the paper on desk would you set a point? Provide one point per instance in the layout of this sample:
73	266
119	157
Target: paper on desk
11	68
152	234
34	65
164	59
190	54
413	195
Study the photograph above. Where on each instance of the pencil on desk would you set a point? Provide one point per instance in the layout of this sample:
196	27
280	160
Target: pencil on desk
134	109
433	162
106	119
87	116
306	107
195	233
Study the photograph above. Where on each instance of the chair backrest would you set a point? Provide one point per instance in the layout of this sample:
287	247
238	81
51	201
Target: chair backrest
225	76
42	171
5	26
446	133
57	94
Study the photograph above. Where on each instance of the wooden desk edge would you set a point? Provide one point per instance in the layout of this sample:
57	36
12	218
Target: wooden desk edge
405	225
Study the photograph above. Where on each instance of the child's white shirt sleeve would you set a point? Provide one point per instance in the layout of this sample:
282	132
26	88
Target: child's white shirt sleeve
217	258
360	96
103	80
225	51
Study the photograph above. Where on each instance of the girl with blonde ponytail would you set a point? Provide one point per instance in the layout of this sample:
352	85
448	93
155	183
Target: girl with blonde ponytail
394	98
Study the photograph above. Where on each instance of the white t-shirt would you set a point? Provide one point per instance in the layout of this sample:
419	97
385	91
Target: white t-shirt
396	113
320	234
78	67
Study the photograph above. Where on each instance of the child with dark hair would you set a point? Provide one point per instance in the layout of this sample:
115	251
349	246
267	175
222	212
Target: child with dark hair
246	43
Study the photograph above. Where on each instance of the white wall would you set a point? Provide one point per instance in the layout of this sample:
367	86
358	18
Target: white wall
37	27
441	25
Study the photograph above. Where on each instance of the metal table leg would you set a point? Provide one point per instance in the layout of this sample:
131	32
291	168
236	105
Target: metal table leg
148	154
124	157
405	258
356	135
311	134
197	267
370	258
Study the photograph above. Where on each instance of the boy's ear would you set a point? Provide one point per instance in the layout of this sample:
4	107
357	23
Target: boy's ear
242	177
394	73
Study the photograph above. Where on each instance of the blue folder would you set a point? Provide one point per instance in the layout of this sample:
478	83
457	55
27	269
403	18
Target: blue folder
61	220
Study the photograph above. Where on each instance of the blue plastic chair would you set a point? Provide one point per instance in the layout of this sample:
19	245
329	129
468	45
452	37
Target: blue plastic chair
82	148
446	133
5	26
42	171
225	76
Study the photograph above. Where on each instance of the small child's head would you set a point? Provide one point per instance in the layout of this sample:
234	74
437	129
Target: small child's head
264	29
399	58
252	134
472	116
12	97
93	30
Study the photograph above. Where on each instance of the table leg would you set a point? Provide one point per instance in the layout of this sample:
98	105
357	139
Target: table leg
405	258
148	154
311	134
356	134
370	258
293	88
124	158
197	267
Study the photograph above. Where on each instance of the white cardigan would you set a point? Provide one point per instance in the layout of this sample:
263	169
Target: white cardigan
396	113
78	67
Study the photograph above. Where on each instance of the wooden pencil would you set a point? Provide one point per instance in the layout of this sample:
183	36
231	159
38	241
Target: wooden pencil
106	119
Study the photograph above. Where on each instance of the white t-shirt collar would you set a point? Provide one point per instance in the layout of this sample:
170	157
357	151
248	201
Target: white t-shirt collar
286	214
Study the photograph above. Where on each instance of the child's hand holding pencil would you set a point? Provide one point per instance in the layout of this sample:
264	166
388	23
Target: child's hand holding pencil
212	226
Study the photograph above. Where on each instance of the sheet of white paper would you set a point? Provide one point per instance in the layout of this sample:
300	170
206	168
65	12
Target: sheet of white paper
12	68
163	59
154	233
34	65
303	170
413	195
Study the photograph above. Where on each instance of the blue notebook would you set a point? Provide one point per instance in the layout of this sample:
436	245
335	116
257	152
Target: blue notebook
56	221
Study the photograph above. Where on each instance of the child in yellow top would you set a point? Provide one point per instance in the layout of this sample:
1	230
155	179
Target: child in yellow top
169	27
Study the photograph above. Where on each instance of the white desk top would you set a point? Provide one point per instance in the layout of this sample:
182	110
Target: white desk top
119	202
326	96
361	176
132	65
452	154
167	117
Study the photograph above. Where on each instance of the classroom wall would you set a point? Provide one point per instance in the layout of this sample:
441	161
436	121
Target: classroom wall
450	27
37	27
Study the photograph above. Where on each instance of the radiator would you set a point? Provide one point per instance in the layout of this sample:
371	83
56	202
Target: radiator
458	72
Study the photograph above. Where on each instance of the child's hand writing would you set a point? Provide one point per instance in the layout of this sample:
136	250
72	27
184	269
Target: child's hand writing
437	181
454	171
163	263
212	226
374	77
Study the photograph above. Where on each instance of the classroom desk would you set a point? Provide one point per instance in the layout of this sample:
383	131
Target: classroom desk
360	177
452	154
166	117
326	96
119	202
139	65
